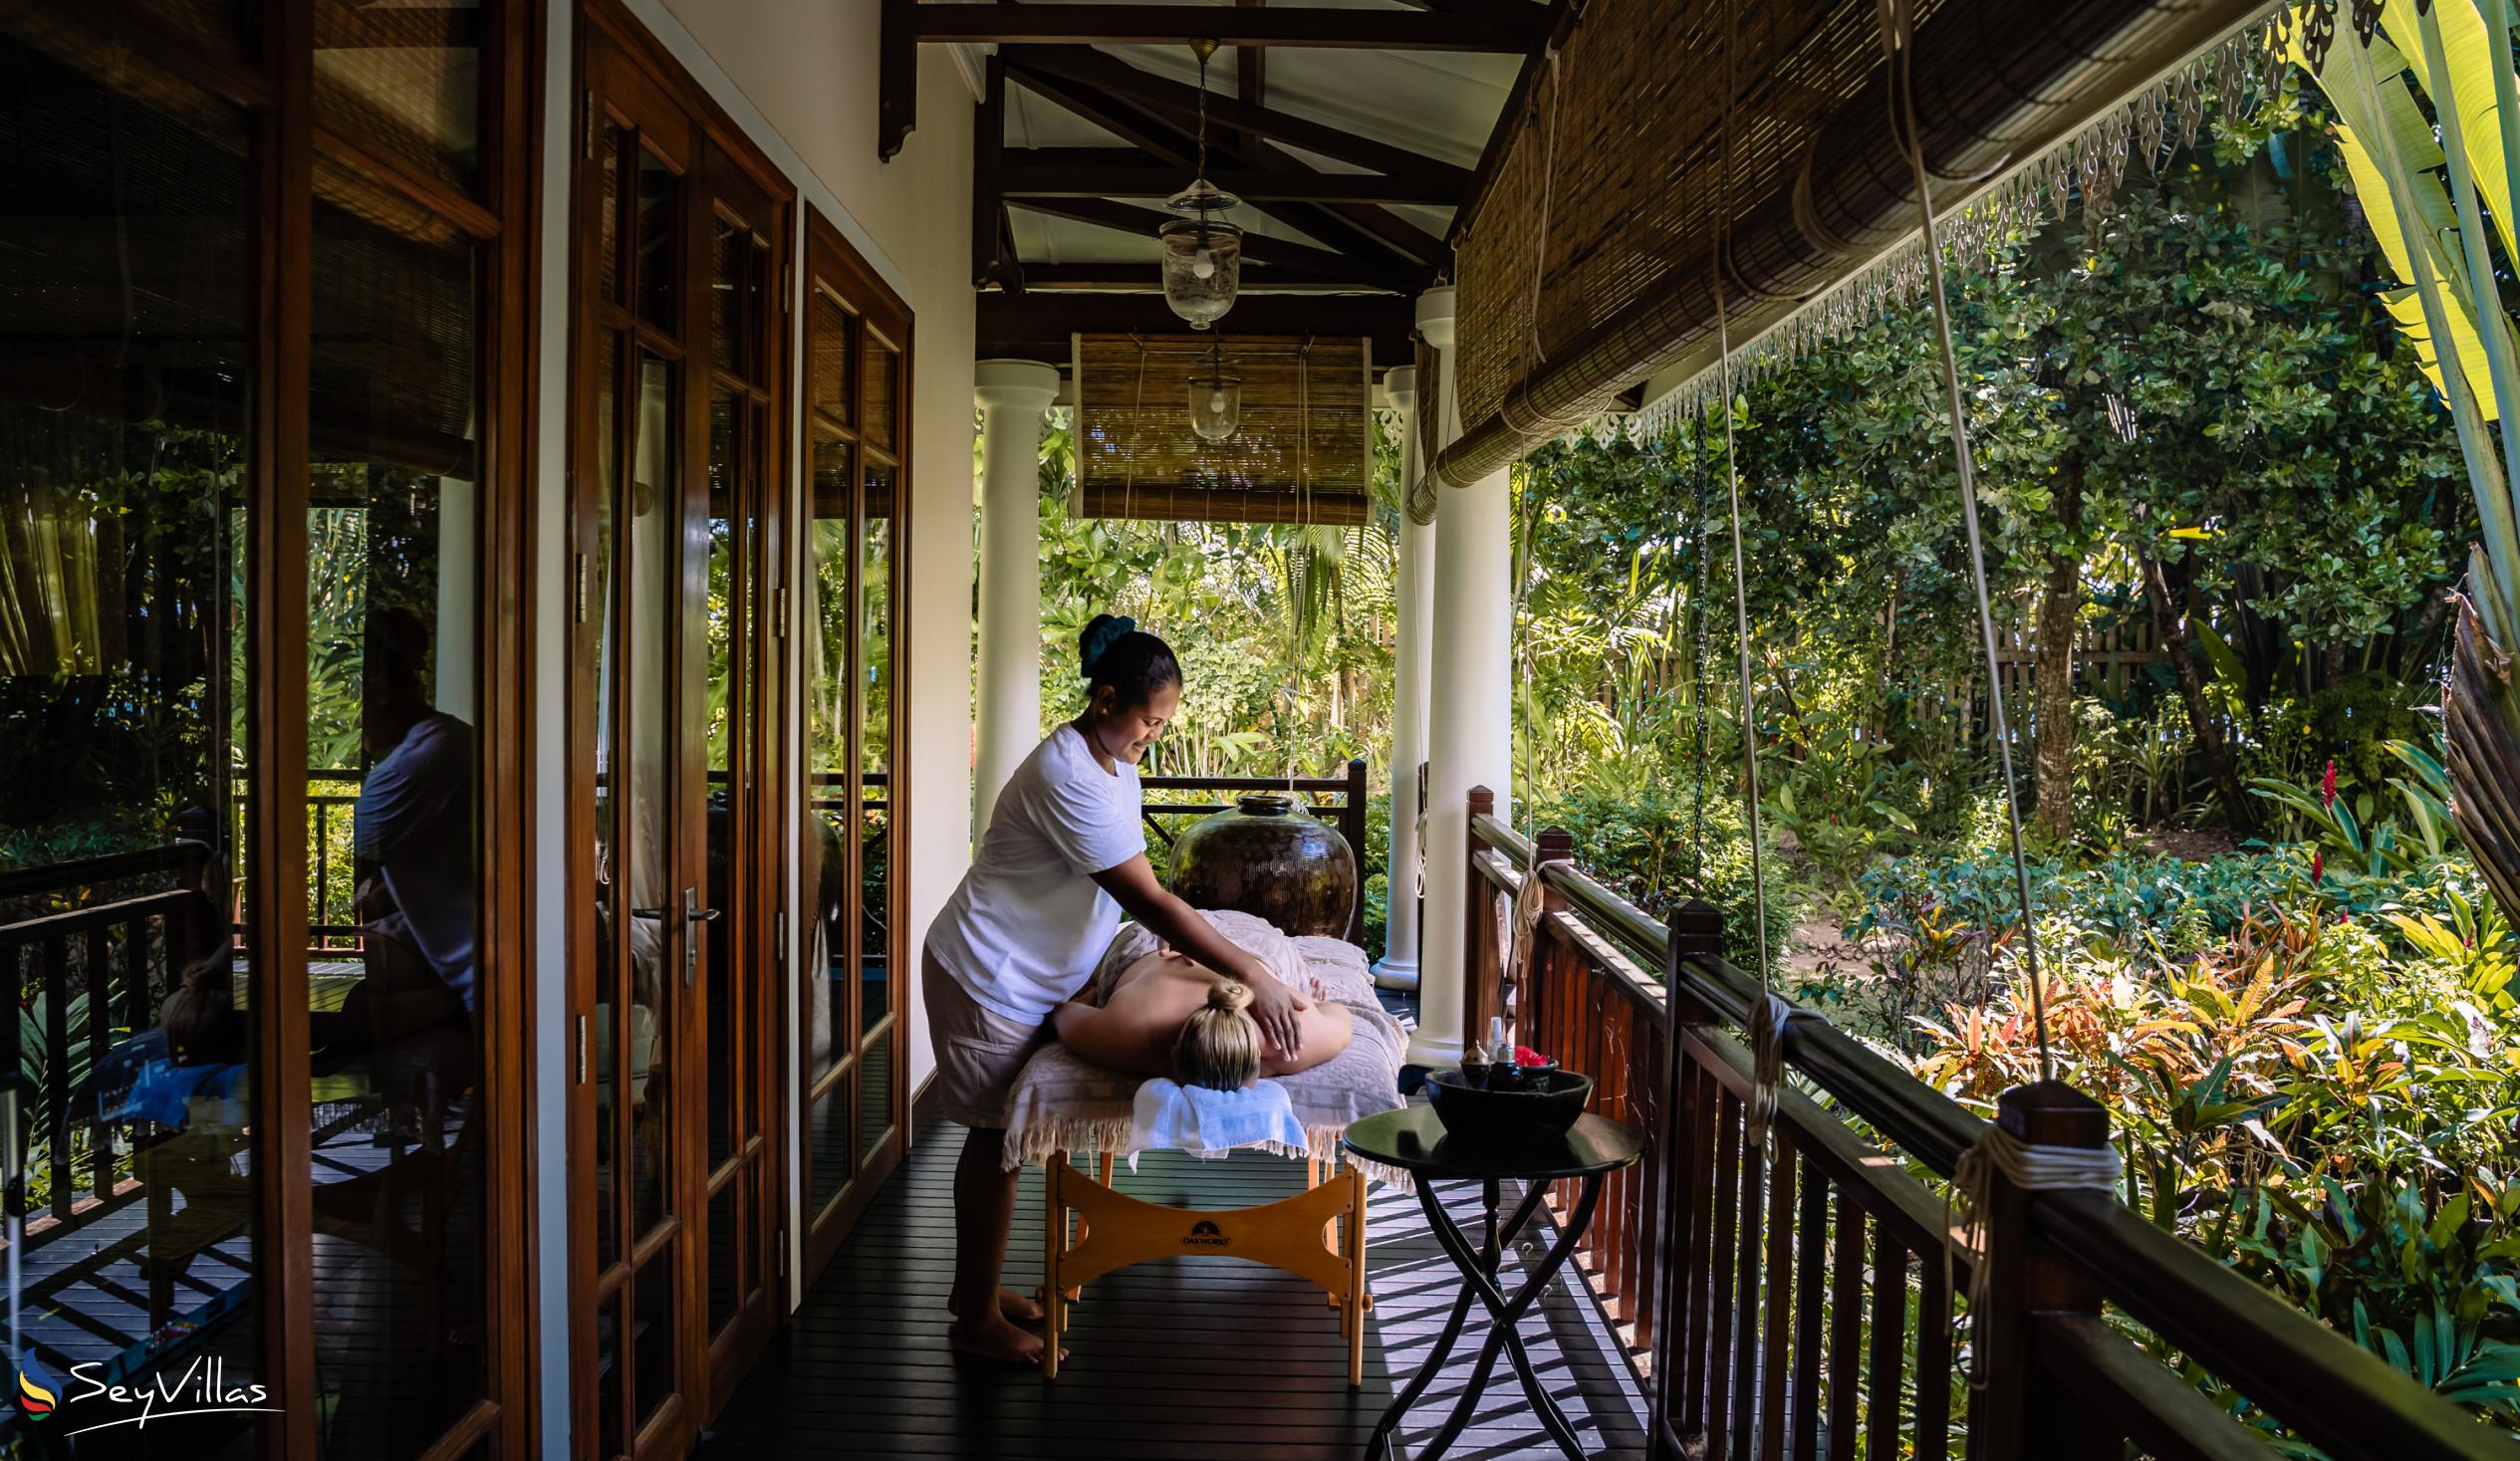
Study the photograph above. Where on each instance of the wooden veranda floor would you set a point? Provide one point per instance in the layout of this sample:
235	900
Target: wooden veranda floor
1196	1358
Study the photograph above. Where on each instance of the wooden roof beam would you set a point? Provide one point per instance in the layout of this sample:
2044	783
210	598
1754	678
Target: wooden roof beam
1139	277
1257	248
1111	73
1039	327
1168	144
1140	178
1156	25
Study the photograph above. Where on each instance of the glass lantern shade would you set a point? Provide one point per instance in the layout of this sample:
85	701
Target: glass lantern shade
1202	256
1215	406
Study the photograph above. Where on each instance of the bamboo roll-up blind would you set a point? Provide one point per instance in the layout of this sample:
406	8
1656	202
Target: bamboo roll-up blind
1304	451
1419	493
1668	139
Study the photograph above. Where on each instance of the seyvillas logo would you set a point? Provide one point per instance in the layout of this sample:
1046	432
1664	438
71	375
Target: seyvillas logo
1204	1234
37	1393
202	1389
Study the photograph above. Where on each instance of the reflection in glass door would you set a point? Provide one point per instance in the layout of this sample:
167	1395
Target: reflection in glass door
635	521
851	977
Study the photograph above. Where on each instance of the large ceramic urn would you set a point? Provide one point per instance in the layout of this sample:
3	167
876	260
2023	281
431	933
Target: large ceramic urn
1267	857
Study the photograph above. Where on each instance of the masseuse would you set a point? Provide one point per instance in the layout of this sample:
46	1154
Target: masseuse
1063	856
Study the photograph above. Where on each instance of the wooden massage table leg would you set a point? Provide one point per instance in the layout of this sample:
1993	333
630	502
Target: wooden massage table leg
1053	1249
1359	1301
1102	1164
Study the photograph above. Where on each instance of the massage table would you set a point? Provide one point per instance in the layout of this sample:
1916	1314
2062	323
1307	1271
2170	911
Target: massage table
1063	1105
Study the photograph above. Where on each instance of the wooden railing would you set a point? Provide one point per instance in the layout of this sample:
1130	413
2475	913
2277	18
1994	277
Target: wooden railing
1799	1305
115	959
333	927
1338	800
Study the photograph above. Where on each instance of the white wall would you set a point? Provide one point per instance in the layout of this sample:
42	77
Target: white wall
799	76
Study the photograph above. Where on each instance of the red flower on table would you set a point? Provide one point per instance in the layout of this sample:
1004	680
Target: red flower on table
1524	1055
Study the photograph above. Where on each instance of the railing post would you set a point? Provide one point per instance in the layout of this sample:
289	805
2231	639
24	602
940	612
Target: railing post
1479	954
1351	827
2022	1409
1696	933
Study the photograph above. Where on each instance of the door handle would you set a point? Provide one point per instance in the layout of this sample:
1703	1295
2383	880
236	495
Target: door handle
692	914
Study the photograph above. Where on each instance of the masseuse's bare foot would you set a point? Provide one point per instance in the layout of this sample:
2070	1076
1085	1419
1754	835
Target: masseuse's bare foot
1018	1308
994	1338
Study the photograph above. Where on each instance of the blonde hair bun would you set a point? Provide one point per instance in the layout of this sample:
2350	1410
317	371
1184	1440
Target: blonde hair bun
1218	1047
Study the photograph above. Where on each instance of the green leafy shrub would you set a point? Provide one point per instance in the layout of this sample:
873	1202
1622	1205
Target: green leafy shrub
1639	841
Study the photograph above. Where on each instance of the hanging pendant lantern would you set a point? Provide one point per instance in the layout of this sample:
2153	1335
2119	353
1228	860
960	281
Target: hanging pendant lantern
1215	400
1202	253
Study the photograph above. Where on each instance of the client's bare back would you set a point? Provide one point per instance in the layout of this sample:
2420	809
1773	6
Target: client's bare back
1137	1024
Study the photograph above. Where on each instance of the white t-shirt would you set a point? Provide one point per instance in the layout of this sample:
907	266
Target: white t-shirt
1028	923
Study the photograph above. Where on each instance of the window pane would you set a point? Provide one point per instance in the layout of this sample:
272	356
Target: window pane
823	616
394	620
655	536
830	1123
738	268
874	747
657	189
604	900
884	391
829	331
875	1095
124	287
404	80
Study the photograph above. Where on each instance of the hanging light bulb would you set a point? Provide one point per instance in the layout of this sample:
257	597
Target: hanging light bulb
1215	400
1202	253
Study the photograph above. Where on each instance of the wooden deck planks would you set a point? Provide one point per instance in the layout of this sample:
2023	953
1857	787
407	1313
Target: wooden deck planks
1198	1357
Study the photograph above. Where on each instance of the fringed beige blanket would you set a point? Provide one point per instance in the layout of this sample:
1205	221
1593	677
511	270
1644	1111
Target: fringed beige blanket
1062	1103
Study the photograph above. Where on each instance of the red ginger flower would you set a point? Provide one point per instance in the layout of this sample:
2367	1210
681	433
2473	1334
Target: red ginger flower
2328	788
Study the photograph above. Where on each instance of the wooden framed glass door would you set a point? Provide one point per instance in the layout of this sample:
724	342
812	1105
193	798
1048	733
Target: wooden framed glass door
853	975
678	371
743	233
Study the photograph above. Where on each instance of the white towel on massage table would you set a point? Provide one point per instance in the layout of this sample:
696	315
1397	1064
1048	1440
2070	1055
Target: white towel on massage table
1062	1103
1170	1117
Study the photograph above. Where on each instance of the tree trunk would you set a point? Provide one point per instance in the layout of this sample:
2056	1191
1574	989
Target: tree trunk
2478	724
2052	693
2052	697
2171	631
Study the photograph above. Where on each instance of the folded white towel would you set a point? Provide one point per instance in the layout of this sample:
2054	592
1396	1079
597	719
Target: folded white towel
1207	1122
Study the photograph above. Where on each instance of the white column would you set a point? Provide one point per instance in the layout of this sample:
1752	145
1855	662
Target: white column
1012	397
1414	594
1469	711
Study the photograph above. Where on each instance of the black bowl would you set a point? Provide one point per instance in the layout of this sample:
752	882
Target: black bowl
1543	1106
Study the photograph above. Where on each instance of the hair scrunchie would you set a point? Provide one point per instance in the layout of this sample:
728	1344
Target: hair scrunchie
1106	630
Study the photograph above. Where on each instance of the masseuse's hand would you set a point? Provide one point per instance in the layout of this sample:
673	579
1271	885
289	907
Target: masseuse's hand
1275	1008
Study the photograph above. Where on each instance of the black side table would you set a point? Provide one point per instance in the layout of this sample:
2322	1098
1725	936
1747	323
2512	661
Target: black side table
1412	1139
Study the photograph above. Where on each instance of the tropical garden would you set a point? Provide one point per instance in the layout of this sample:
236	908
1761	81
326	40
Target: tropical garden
2254	565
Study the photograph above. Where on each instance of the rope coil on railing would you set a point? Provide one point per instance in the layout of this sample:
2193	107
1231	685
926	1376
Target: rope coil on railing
1768	1019
1528	902
1999	1153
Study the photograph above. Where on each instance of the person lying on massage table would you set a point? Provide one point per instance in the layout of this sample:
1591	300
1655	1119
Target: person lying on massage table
1169	1015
